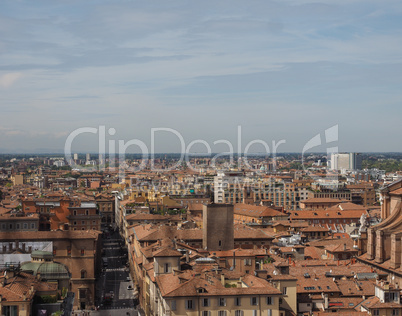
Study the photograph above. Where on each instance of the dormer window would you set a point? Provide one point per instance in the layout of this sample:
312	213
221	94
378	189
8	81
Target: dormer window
393	296
166	268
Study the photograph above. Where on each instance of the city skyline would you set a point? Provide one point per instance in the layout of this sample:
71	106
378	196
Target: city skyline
280	70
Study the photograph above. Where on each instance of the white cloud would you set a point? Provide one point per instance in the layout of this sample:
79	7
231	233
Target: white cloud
7	80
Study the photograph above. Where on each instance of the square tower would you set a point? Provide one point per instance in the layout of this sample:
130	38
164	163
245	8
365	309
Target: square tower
218	230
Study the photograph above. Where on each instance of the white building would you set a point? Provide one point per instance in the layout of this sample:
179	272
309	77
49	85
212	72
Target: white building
222	182
346	161
59	163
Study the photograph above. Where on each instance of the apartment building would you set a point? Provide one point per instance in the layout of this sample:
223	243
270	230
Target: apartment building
84	216
234	188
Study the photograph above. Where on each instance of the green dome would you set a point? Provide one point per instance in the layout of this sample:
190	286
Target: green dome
39	254
47	270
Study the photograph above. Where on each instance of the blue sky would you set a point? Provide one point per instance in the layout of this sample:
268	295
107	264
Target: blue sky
279	69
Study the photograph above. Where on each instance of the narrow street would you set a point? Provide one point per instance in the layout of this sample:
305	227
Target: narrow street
114	288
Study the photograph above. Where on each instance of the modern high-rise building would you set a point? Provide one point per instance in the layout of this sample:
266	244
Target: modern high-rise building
75	156
346	161
88	157
225	182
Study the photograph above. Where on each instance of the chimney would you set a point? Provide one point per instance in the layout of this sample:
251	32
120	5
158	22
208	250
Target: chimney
9	273
326	303
262	274
187	256
344	247
174	243
234	260
223	279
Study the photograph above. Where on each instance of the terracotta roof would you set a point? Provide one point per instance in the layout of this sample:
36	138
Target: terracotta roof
327	214
171	286
344	303
256	211
167	252
356	287
18	286
239	252
314	228
48	235
396	192
374	302
347	206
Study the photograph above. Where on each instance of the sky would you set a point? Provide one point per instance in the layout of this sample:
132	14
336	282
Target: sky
279	71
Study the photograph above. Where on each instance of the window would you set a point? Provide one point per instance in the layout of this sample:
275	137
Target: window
166	268
82	293
238	313
269	312
205	302
74	212
54	251
222	301
284	290
376	312
270	300
68	251
173	305
220	243
10	310
189	304
237	301
83	274
393	296
254	301
82	252
25	226
255	312
206	313
86	212
395	312
83	222
247	262
222	313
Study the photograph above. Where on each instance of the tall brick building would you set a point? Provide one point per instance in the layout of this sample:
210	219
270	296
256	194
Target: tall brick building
218	227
